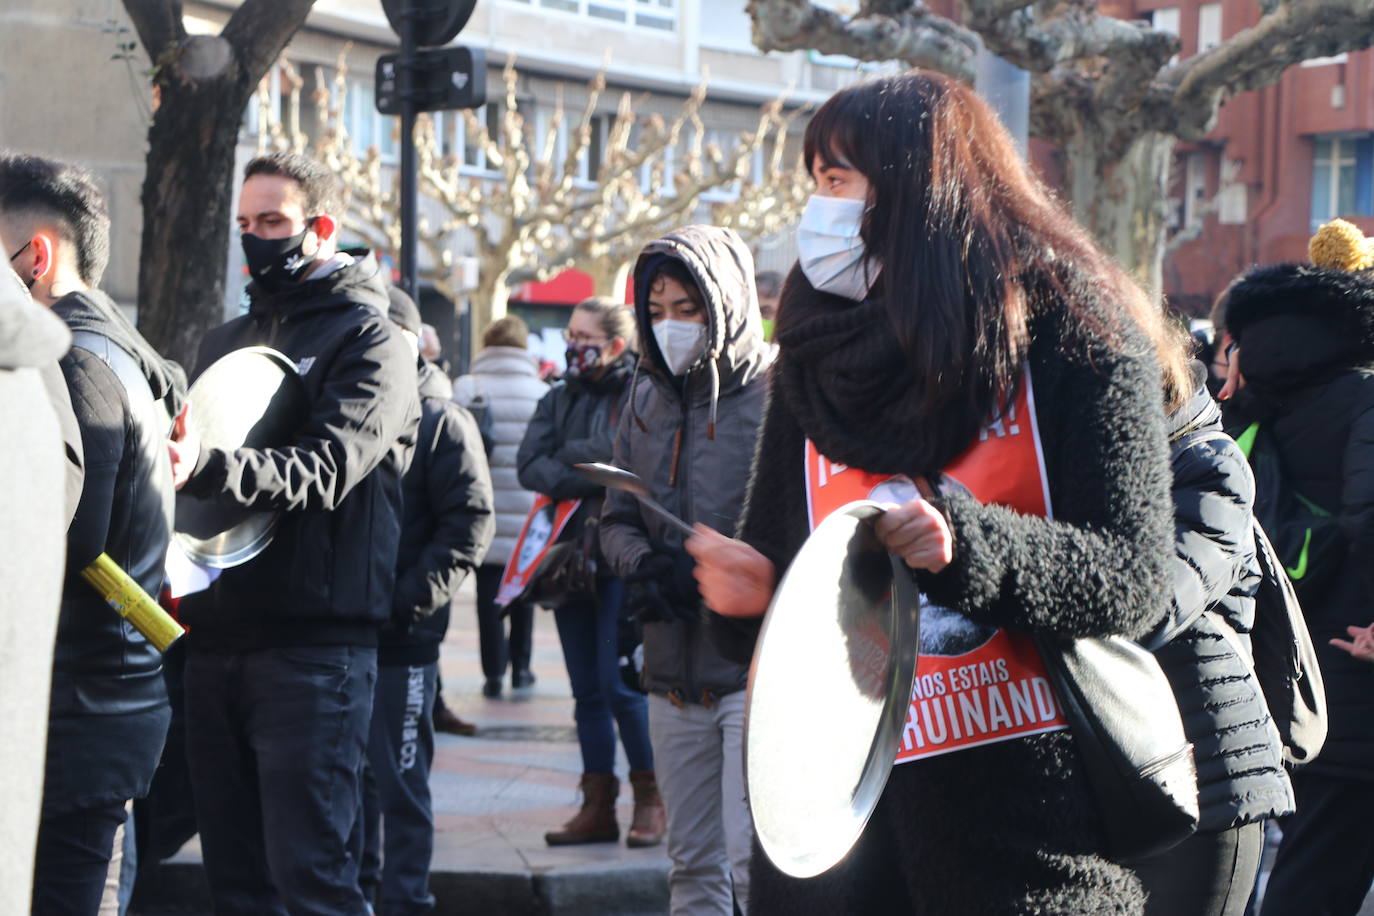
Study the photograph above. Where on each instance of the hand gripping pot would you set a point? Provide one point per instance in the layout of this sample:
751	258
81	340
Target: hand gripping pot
838	646
250	398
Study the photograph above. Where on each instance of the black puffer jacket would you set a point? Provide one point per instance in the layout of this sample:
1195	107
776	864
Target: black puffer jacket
574	423
109	713
447	527
327	577
1307	353
1238	753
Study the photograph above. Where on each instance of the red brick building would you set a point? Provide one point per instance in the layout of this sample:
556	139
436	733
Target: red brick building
1279	162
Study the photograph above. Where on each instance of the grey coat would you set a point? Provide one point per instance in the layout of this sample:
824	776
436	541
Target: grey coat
725	389
504	380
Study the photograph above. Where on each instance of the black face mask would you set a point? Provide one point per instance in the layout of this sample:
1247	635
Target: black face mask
275	263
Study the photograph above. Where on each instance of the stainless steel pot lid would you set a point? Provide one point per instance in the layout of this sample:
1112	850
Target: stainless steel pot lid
828	692
249	398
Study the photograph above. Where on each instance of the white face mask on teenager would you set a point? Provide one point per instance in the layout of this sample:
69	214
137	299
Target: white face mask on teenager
832	252
680	342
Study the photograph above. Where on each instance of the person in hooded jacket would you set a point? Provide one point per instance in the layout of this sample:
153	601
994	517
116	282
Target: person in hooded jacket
1305	356
574	423
446	527
504	382
282	652
1203	645
694	414
108	713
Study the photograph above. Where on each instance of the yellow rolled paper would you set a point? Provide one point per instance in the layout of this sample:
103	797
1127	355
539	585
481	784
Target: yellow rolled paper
133	604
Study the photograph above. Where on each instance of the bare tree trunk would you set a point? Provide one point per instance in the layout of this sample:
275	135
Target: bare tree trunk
187	191
205	82
1123	198
488	303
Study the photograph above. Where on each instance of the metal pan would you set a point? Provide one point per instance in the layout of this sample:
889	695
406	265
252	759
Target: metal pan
828	692
251	398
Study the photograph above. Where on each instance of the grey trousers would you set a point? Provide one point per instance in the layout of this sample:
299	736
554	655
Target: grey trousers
699	762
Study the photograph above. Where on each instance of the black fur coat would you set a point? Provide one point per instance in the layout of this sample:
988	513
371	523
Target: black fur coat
1008	827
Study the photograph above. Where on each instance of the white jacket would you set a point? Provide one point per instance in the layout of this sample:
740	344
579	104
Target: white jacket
506	381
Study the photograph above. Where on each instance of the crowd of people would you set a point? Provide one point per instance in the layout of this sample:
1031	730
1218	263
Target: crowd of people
940	291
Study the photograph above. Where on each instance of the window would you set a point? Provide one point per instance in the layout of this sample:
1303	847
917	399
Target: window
1165	19
1325	61
1208	26
647	14
1342	168
451	134
366	126
725	25
251	124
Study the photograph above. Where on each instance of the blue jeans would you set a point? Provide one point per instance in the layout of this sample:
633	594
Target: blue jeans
275	741
602	701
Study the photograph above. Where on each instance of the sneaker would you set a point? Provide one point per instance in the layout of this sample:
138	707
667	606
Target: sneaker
520	679
492	688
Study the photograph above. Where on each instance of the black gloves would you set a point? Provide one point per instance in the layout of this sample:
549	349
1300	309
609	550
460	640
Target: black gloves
662	587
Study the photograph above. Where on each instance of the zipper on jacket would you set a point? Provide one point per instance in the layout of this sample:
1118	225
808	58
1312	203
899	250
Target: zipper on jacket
685	511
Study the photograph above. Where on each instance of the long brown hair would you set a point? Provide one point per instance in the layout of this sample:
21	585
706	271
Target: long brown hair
971	244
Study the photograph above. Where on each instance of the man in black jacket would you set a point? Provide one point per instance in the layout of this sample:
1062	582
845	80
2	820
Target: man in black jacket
282	658
108	713
446	529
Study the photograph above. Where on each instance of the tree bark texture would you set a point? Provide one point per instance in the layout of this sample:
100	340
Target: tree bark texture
1122	199
205	83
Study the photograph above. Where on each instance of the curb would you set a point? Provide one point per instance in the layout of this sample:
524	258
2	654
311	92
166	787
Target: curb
593	890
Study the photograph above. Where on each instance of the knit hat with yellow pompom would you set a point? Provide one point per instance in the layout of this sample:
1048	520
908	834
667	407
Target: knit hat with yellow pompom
1341	246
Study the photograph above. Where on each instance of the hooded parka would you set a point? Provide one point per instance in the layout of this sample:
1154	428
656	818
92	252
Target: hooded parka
691	438
1307	353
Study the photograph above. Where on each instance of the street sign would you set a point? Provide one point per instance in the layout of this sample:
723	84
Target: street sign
444	79
437	22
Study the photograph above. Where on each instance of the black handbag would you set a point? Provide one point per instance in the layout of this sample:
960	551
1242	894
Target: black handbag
1125	723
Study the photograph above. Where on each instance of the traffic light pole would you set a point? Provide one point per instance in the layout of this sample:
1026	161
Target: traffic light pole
409	166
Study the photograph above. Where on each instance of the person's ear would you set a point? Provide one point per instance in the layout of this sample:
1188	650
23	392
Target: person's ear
325	227
615	348
44	254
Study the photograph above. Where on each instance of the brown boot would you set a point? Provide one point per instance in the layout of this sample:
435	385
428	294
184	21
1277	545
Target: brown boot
595	822
650	820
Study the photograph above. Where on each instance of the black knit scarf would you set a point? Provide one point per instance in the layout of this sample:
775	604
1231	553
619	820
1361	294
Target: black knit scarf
849	384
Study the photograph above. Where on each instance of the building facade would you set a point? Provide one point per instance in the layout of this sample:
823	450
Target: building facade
1279	162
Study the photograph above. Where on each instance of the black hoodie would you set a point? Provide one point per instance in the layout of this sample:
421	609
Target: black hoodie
1307	353
327	577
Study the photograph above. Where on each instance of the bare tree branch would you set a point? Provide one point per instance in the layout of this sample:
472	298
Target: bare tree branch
1039	44
158	23
1294	31
259	30
914	35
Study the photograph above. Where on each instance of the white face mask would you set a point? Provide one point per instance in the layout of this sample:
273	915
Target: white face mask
832	253
680	342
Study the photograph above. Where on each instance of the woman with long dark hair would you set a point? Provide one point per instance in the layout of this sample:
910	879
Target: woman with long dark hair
949	324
